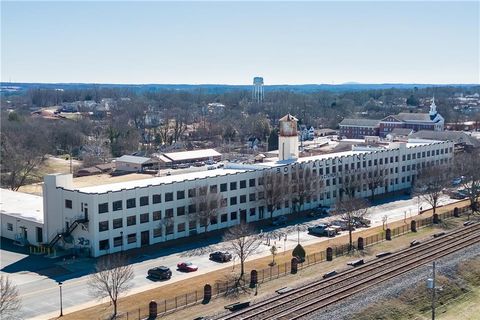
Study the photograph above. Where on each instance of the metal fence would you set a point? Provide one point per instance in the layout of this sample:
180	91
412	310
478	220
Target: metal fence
276	271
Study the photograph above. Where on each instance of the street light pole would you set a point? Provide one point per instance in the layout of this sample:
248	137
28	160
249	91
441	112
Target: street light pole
61	303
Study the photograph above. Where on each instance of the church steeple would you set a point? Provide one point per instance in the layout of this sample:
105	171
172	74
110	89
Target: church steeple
433	108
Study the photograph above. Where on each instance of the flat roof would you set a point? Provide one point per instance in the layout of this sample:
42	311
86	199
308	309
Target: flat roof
21	205
158	180
133	159
193	154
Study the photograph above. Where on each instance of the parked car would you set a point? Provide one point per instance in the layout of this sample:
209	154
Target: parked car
342	224
362	222
160	273
187	266
318	230
220	256
458	195
198	164
210	162
281	220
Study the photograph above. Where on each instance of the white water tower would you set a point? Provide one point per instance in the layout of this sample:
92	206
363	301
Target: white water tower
257	93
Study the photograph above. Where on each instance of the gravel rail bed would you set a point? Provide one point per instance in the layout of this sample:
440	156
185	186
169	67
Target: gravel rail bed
392	288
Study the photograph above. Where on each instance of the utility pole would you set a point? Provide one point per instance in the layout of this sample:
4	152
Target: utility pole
434	289
431	285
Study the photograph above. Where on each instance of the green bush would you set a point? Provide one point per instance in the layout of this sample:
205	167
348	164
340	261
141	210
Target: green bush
298	251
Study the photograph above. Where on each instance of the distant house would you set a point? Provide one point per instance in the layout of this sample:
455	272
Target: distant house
253	142
307	133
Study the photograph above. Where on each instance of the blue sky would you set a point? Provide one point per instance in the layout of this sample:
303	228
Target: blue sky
231	42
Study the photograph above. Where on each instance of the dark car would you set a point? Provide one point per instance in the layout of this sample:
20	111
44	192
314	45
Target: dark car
278	221
220	256
160	273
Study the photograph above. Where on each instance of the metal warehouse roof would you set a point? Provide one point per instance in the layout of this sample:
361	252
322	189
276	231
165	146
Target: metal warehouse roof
190	155
133	159
21	205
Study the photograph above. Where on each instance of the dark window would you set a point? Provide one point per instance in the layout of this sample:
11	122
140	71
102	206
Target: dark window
168	196
103	245
223	187
157	215
203	190
117	241
181	227
132	238
192	225
157	232
169	229
192	208
144	201
169	213
68	203
243	198
103	226
260	181
233	201
192	193
180	195
9	226
144	218
117	205
251	197
252	211
233	215
224	217
157	198
233	186
213	220
251	183
131	203
131	220
243	184
213	189
103	207
117	223
180	211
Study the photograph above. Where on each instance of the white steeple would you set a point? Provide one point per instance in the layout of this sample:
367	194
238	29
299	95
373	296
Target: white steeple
433	108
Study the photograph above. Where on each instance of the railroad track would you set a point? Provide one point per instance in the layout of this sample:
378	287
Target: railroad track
308	299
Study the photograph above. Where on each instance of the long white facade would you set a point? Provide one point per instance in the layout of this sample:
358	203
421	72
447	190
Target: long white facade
115	217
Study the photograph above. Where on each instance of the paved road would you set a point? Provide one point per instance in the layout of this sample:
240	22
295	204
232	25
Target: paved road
40	293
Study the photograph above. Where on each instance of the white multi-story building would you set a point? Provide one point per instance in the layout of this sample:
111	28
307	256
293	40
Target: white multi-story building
113	217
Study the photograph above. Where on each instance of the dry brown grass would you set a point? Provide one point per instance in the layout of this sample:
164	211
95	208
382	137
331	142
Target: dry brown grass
140	300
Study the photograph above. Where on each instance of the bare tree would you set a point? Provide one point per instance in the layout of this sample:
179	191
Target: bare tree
467	167
275	188
375	177
24	147
242	242
205	205
112	278
430	183
9	298
350	211
303	186
350	185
